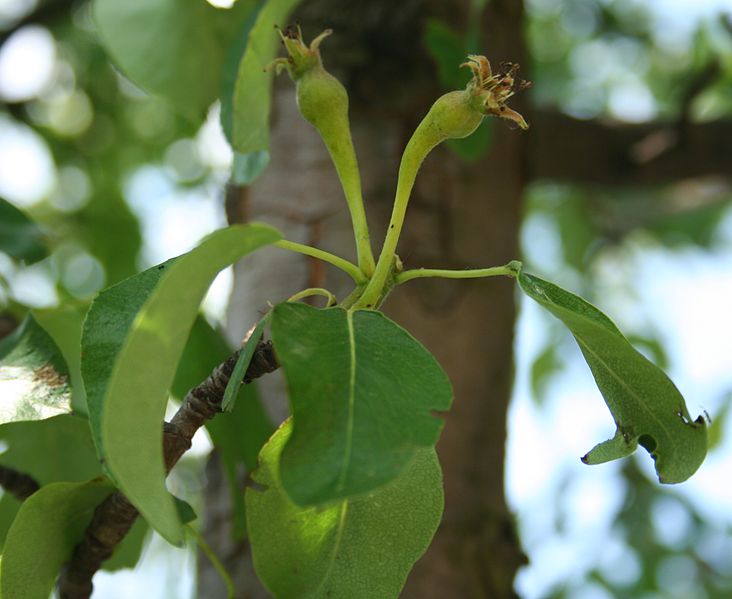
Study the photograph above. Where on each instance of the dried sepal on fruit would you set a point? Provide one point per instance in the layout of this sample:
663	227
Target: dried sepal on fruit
493	91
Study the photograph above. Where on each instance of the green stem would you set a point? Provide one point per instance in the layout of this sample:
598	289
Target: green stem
349	268
352	297
343	155
311	291
215	562
509	270
414	155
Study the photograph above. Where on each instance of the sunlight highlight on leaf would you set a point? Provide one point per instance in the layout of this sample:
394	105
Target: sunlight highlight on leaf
360	548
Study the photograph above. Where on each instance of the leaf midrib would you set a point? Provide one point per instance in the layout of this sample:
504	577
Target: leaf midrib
638	398
351	402
336	544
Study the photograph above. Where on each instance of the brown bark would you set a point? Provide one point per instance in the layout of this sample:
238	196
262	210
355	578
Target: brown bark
461	215
18	484
614	154
469	327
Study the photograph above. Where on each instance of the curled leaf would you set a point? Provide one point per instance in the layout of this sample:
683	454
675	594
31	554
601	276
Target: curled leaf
647	407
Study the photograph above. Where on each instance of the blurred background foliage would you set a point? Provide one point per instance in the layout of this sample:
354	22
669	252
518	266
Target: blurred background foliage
116	180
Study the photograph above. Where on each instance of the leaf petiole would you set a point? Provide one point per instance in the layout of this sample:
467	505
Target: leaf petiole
311	291
249	346
509	270
215	561
348	267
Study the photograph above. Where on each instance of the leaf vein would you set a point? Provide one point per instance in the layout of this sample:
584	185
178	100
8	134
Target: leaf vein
643	404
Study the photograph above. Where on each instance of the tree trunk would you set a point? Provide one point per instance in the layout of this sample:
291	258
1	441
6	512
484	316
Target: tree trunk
460	215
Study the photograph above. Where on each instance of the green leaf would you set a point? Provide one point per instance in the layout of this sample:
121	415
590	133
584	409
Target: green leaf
230	70
646	406
358	548
64	324
247	167
43	535
448	49
9	507
108	229
544	366
571	212
33	375
107	324
128	552
173	48
52	450
205	349
242	363
253	87
20	237
362	391
186	513
130	414
239	436
654	349
716	428
474	146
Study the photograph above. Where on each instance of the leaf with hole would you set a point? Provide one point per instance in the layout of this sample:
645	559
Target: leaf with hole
646	406
362	391
129	412
358	548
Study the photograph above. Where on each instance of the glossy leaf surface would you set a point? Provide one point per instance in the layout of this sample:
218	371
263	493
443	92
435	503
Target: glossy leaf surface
34	378
131	409
362	391
646	406
358	548
43	535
